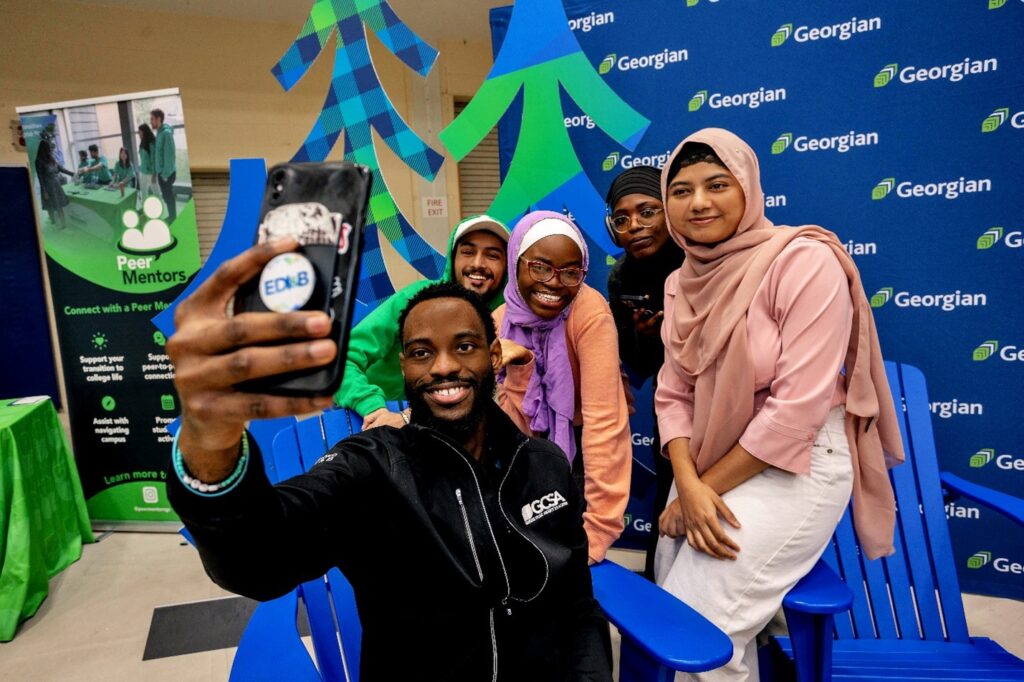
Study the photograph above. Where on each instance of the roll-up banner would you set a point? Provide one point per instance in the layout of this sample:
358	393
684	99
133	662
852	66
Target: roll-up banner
114	207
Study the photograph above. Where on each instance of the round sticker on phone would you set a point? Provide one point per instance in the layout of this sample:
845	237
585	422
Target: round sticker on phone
287	282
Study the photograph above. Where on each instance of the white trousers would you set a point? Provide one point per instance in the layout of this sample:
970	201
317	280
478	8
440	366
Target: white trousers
786	521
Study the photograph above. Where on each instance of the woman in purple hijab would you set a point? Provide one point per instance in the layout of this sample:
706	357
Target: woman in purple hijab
561	378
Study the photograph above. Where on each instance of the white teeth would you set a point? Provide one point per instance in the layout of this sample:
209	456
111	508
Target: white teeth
447	391
547	298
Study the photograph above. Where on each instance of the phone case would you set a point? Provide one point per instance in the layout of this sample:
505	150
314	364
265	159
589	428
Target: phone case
323	205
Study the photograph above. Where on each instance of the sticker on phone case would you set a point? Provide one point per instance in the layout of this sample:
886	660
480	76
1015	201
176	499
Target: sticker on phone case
287	282
311	223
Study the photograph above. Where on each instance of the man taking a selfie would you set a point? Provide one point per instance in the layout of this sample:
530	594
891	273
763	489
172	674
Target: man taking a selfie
462	537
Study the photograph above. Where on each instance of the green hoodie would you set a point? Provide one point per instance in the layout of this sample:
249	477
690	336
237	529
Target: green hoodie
164	159
372	373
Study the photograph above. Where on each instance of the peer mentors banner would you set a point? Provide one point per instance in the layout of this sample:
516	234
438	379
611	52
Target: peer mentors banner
117	221
899	126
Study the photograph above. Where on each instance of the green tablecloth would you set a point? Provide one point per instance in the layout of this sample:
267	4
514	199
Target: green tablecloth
107	205
43	518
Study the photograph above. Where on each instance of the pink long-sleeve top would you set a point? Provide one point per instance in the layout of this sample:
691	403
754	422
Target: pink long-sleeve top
798	330
593	346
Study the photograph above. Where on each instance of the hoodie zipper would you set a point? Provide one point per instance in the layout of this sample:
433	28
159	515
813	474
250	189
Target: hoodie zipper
547	568
480	573
469	534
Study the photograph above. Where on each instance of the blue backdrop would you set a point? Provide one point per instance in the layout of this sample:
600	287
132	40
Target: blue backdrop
899	126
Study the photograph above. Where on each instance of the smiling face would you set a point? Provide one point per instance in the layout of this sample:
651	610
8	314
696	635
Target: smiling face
705	203
646	231
448	366
548	299
480	262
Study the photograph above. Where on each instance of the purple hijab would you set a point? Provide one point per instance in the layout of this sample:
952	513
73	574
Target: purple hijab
550	400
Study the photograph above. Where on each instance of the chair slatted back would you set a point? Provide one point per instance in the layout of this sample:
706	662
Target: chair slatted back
330	601
913	594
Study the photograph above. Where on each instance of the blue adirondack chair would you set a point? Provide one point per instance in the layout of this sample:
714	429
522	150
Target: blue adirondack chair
901	617
660	634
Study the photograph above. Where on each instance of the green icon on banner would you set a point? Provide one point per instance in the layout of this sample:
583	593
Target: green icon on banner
167	402
159	338
883	77
606	64
609	260
982	457
782	144
782	35
99	340
990	238
995	119
882	189
979	559
693	3
610	161
108	403
697	101
985	351
996	4
881	297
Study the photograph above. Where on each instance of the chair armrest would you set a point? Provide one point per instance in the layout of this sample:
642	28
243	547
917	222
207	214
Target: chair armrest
661	625
1008	505
820	591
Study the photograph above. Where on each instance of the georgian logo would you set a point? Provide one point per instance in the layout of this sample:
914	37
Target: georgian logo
838	143
979	559
591	21
982	457
944	409
656	61
1007	352
861	248
947	189
1000	116
954	73
996	4
542	506
841	31
944	301
610	162
627	161
1011	239
750	100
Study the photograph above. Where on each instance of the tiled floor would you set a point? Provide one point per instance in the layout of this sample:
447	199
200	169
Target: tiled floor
94	624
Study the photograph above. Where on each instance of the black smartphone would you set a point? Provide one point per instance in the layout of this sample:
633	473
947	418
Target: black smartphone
638	302
322	205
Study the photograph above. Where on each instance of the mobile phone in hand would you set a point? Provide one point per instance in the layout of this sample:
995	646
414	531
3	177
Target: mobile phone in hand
323	206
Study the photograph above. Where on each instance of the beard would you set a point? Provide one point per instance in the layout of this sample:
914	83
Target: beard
456	429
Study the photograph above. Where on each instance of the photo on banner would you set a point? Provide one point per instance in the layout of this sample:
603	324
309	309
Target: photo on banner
116	217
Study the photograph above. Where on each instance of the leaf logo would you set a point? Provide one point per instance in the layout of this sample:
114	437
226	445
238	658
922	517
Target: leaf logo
996	4
995	119
979	559
627	519
985	351
693	3
610	161
606	64
881	298
982	457
782	34
882	189
990	238
697	101
883	77
782	144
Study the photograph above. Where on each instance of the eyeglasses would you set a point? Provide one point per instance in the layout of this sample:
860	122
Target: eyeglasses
542	272
645	218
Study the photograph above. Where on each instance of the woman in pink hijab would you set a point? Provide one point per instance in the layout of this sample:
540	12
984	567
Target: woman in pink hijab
772	402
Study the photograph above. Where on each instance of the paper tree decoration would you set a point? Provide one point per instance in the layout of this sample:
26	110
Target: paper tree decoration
357	103
539	57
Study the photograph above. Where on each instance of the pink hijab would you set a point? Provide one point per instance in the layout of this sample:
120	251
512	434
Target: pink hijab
707	338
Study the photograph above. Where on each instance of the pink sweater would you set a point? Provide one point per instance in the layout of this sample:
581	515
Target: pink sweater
798	330
600	408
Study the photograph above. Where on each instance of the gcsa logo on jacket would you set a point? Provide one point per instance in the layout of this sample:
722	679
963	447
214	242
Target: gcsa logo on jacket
543	506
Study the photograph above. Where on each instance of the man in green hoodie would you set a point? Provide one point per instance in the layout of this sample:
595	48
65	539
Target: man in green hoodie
476	260
165	163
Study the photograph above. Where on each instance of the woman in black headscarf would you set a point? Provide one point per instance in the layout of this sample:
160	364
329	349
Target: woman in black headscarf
48	173
636	291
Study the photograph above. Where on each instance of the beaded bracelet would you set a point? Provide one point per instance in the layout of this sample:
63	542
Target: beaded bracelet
209	489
